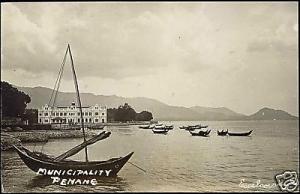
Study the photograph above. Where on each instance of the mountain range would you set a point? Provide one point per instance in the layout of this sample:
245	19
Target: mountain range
160	111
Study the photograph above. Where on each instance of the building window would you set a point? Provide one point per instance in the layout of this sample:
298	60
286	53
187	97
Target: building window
57	114
102	120
90	120
52	114
40	114
96	113
90	114
86	120
96	120
46	120
103	113
65	114
46	114
40	120
78	113
78	120
61	114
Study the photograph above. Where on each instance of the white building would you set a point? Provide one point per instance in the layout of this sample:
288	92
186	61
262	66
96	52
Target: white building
71	114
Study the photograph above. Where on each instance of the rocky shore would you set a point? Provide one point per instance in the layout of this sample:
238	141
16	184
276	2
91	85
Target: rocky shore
17	137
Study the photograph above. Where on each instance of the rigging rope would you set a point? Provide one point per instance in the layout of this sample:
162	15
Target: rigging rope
58	77
136	166
55	90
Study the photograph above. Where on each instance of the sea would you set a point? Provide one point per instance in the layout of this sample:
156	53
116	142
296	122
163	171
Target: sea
175	162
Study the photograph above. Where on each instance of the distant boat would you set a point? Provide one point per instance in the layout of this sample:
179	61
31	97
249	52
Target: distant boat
193	127
96	127
169	127
159	126
144	126
222	133
182	127
160	131
200	133
240	134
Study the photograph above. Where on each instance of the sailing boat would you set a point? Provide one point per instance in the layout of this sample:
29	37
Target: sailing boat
43	163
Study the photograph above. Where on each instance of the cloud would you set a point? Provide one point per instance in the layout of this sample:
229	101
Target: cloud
226	54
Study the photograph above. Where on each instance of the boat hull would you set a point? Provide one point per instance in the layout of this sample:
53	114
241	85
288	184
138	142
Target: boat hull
200	133
38	165
222	133
240	134
160	131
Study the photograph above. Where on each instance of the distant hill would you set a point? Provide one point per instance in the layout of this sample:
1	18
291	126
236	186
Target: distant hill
221	113
161	111
271	114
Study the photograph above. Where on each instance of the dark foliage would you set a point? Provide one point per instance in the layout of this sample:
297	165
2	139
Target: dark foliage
13	101
126	113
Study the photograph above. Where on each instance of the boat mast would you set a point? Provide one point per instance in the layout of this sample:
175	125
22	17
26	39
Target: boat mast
79	101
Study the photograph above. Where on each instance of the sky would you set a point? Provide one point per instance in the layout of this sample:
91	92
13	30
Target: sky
243	56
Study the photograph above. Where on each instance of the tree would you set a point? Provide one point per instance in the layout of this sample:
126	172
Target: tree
125	113
144	116
31	115
13	101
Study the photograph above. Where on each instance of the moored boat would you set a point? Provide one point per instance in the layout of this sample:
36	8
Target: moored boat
160	131
223	132
169	127
240	133
144	126
96	127
45	164
200	133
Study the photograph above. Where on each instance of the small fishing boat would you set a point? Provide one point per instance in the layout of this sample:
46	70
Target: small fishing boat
160	126
240	133
96	127
190	128
193	127
201	126
160	131
45	164
182	127
151	126
169	127
223	132
200	133
144	126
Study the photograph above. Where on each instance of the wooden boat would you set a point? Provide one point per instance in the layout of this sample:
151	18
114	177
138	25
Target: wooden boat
190	128
240	134
144	126
37	160
96	127
222	133
169	127
43	164
160	131
201	126
193	127
200	133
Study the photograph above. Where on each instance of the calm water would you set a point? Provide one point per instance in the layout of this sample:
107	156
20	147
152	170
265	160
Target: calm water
176	161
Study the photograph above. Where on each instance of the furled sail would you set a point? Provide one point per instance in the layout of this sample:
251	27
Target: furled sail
79	147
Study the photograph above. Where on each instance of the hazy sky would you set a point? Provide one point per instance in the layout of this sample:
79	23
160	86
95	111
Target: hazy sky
243	56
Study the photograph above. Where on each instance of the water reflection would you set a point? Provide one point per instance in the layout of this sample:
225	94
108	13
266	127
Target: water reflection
103	183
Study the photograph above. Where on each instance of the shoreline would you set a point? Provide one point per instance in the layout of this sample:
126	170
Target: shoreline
8	139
